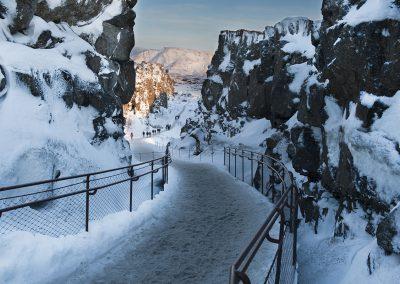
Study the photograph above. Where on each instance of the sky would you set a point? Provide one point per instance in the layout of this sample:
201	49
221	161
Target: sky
196	24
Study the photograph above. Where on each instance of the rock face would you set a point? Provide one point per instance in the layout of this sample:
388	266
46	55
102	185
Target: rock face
153	86
74	53
387	232
259	74
331	92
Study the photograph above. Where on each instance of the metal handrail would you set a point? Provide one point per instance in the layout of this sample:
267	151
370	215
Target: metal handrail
288	199
161	163
6	188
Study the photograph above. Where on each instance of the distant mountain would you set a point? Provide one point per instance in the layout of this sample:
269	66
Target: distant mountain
178	61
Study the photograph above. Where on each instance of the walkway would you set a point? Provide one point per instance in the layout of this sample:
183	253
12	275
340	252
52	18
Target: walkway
209	219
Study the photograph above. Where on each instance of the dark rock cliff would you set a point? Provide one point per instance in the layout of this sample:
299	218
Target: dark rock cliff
331	90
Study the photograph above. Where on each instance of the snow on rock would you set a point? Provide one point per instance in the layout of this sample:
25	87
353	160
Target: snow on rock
249	65
255	76
61	96
295	33
370	11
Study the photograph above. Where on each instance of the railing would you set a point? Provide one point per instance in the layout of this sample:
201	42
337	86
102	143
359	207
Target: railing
271	178
67	205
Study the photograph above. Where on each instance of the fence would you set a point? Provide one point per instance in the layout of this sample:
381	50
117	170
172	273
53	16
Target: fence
65	206
271	178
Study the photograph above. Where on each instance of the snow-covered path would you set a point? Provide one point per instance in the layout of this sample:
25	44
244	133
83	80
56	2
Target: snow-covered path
207	220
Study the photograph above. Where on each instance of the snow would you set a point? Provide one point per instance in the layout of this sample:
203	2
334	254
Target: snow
226	61
249	65
367	99
299	43
332	127
296	36
377	148
269	79
301	72
216	79
52	4
370	11
251	133
337	41
94	27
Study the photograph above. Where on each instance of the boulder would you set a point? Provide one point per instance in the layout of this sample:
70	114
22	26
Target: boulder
24	14
115	43
71	11
387	233
46	40
126	81
307	156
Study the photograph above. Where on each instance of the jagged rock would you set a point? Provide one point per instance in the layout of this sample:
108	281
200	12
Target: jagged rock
117	39
46	40
160	102
126	81
152	81
307	158
71	11
24	14
387	233
311	107
256	74
32	82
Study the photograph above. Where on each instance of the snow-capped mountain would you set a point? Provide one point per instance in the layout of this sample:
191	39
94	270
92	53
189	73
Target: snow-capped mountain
178	61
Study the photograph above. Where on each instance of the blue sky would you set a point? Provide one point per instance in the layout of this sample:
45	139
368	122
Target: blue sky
196	23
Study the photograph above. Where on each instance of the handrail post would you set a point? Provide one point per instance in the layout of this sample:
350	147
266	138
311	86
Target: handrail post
242	165
152	179
163	169
131	189
262	174
280	247
229	159
296	212
235	160
87	202
252	171
167	168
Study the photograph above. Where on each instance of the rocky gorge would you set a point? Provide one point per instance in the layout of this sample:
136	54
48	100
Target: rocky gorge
330	91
